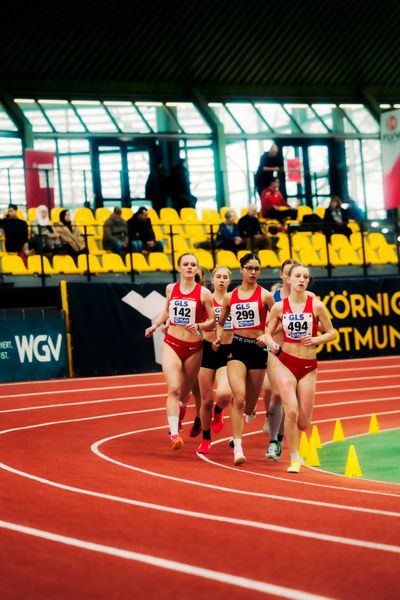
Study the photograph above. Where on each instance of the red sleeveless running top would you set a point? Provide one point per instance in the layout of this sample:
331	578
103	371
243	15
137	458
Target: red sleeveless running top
249	313
185	309
297	325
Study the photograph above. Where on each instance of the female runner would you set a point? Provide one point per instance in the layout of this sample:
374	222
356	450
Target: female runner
248	304
213	365
294	374
190	311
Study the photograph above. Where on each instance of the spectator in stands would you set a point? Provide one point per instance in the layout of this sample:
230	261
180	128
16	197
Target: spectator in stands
15	232
141	234
271	202
72	240
336	218
270	167
115	233
354	211
179	187
44	239
157	186
228	234
250	230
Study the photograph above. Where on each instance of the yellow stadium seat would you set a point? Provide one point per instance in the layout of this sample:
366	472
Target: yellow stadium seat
126	213
65	264
13	264
153	216
320	211
268	258
84	216
205	259
356	242
35	262
180	245
158	261
55	214
227	258
169	216
21	215
303	210
140	264
31	214
158	232
345	254
211	217
195	233
189	216
102	214
113	263
94	264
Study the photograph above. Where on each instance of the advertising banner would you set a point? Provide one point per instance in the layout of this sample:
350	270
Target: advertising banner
293	170
108	322
390	141
32	345
39	169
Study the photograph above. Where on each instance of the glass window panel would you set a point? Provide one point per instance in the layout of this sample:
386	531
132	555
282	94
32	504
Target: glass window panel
306	118
73	146
62	116
225	118
95	116
76	179
189	117
247	117
237	176
319	173
361	118
34	115
127	117
6	123
200	164
373	179
277	118
138	171
325	112
12	179
47	145
110	172
157	117
294	191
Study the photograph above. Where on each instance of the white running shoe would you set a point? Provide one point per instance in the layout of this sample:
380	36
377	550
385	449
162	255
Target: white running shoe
250	418
238	456
272	451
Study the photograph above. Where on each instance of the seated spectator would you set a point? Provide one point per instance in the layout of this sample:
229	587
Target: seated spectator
336	218
250	230
15	232
272	200
72	241
141	234
115	233
228	234
44	239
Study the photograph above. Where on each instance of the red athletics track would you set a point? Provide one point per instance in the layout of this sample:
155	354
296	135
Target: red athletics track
94	504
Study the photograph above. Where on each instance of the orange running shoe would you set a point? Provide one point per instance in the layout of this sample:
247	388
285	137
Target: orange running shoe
176	442
204	447
217	423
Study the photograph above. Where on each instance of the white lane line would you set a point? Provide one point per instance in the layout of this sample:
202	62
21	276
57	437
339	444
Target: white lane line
83	379
388	412
171	565
81	390
134	398
376	546
163	383
238	470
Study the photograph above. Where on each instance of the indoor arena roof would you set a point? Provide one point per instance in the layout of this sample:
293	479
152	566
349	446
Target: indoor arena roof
279	49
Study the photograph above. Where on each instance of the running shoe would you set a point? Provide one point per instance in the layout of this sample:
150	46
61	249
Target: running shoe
250	418
231	444
279	448
176	442
204	447
196	427
265	428
218	422
295	466
272	451
238	456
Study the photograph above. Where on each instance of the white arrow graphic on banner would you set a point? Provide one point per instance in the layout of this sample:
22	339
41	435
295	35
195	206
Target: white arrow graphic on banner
149	307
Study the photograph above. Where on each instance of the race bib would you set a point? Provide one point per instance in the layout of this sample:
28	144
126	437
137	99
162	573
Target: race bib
297	325
245	315
228	323
182	312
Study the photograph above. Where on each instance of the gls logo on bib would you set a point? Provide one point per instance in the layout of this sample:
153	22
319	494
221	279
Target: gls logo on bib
39	347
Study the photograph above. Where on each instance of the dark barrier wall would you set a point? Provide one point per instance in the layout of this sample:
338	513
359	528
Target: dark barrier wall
32	344
108	332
